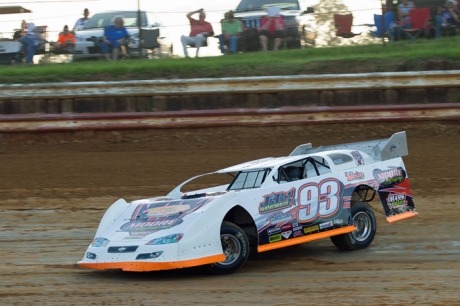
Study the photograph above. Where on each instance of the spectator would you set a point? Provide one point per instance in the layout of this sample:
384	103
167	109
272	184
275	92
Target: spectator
447	20
114	38
200	30
81	21
66	40
31	41
272	27
20	32
404	19
231	32
403	12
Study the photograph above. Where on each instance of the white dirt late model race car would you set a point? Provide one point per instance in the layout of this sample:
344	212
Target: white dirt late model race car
270	203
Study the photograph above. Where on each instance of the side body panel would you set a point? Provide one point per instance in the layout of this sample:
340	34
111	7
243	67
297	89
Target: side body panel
322	204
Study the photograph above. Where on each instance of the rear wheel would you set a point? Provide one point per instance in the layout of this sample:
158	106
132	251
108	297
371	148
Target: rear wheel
362	237
235	246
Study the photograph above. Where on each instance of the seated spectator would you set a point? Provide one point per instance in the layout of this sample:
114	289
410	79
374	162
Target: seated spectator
200	30
447	19
403	12
404	19
114	38
18	33
66	40
31	41
231	32
271	27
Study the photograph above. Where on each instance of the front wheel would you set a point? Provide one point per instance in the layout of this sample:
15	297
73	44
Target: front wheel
362	237
235	246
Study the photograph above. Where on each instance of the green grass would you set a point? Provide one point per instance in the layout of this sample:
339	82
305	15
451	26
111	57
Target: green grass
398	56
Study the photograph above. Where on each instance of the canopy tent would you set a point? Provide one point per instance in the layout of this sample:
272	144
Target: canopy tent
13	10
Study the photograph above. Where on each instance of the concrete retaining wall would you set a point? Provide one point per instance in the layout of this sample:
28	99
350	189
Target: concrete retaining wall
213	94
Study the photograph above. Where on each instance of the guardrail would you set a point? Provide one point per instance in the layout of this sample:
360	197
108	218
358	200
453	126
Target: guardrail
383	80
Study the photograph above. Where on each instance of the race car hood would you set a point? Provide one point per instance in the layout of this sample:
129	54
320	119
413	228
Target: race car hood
155	218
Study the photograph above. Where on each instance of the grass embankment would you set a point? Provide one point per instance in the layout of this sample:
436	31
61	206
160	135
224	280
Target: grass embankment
417	55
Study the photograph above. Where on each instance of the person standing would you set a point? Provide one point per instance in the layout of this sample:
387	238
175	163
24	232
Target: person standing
114	37
200	30
231	33
81	21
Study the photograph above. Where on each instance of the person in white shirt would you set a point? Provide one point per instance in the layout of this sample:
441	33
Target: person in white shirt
81	21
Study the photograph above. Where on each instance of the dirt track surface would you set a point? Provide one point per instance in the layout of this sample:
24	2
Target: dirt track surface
56	187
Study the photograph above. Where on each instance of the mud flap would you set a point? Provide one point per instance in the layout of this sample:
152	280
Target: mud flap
397	201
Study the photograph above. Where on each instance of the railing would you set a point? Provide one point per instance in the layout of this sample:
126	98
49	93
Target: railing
329	82
35	118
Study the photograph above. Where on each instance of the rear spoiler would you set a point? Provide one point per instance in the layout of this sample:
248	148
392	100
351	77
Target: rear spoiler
381	149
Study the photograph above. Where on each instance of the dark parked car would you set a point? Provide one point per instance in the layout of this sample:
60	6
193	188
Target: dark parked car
300	24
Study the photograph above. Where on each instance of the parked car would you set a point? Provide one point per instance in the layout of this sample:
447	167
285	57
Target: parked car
154	35
10	51
262	205
300	24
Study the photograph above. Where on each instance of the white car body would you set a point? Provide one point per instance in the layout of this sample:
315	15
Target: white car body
87	37
184	229
10	51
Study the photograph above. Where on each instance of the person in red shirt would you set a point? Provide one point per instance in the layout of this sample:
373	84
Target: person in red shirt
272	27
200	30
66	40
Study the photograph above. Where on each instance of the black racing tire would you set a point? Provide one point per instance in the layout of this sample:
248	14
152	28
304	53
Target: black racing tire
366	227
235	245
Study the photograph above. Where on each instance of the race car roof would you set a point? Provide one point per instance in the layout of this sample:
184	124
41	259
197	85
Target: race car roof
271	162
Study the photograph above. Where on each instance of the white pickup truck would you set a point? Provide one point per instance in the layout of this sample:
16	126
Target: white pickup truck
154	35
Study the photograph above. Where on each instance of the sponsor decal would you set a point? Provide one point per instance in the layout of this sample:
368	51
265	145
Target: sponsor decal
310	229
274	238
295	224
353	176
338	222
151	226
297	233
277	200
297	228
272	231
358	158
132	237
389	177
286	234
280	217
326	225
150	217
286	227
396	199
167	210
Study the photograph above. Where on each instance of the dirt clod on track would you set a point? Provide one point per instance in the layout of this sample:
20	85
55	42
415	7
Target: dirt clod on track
56	187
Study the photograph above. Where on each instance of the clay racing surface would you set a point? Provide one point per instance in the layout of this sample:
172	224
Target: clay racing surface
56	187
